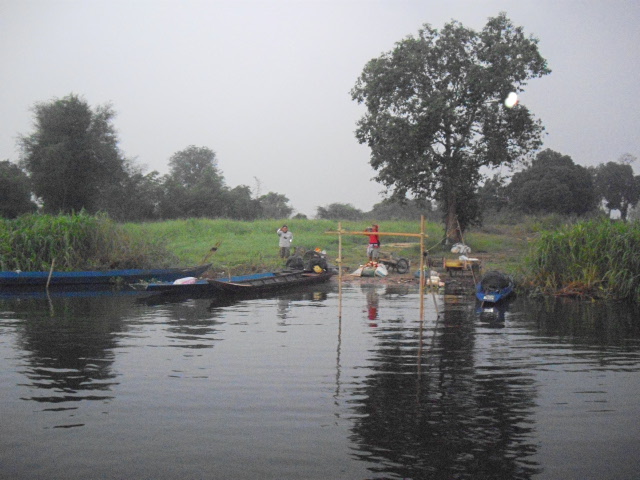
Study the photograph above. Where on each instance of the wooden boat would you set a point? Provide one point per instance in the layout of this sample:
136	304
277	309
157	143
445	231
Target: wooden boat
494	287
244	284
97	277
36	292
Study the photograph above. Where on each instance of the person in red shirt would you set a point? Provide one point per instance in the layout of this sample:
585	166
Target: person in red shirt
373	249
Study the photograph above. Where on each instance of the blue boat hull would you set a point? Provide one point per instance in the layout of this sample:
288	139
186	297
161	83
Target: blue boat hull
98	277
494	287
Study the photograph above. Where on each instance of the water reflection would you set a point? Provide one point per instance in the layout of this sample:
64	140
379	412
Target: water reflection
453	417
67	345
577	321
233	384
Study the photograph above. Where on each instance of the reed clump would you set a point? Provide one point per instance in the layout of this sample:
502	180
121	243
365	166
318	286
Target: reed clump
75	242
597	258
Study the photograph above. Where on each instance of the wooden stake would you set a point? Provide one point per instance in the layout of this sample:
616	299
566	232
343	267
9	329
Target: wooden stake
422	282
339	260
50	273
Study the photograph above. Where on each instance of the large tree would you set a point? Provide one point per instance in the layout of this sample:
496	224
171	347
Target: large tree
435	112
15	191
340	211
275	205
194	186
72	156
240	205
391	209
553	183
617	185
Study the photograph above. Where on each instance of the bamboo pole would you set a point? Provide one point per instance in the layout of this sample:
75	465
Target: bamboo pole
50	273
339	260
390	234
422	282
420	235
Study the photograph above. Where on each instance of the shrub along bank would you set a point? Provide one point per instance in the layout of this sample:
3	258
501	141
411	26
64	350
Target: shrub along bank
76	242
596	258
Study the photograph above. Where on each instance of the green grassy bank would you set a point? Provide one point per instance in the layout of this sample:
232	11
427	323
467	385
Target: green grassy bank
596	258
83	242
253	246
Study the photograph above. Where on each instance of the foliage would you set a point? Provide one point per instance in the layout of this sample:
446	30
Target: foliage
435	115
240	205
617	186
339	211
75	242
275	205
393	209
194	186
72	156
491	195
73	163
552	184
593	258
15	191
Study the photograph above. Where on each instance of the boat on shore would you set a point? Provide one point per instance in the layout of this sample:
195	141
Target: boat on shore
97	277
239	285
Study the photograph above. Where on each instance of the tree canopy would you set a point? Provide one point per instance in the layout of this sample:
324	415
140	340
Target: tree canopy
194	186
72	157
617	186
340	211
435	114
552	184
275	205
15	191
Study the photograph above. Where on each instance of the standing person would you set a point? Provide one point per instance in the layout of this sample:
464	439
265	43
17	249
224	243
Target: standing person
373	250
286	237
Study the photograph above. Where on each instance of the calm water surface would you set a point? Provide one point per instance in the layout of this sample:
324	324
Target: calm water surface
116	387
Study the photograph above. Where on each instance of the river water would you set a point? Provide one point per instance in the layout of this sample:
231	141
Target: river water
303	386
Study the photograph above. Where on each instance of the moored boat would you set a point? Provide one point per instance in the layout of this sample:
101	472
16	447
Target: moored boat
494	287
239	285
97	277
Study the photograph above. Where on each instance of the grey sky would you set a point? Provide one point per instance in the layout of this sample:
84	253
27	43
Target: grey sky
265	84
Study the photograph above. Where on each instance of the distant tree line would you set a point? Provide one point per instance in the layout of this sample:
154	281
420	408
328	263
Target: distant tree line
553	183
71	162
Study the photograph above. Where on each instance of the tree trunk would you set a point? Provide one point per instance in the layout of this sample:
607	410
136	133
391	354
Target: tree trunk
623	211
453	233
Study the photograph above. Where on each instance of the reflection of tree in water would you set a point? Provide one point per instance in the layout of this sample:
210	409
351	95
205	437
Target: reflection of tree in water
193	324
69	345
576	321
448	418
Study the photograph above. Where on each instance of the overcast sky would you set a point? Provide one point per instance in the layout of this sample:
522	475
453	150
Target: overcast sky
265	84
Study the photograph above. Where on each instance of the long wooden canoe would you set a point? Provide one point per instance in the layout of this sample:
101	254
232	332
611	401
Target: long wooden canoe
245	284
98	277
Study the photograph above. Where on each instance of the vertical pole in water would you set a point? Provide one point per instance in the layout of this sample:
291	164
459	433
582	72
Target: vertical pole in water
53	261
422	282
339	270
421	279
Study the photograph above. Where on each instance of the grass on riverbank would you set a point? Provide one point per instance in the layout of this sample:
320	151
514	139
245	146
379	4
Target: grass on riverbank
253	246
596	258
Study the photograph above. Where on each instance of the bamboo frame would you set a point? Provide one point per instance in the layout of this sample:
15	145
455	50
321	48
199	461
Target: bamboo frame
420	235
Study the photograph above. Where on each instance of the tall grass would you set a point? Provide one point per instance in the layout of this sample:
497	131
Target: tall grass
75	242
595	258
